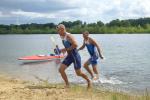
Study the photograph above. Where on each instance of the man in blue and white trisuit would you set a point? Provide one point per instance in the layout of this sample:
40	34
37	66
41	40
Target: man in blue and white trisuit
72	55
92	48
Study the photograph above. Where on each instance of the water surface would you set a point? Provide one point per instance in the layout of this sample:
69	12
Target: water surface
126	68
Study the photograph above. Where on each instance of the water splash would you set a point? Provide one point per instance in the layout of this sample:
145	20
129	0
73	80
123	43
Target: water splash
105	80
111	80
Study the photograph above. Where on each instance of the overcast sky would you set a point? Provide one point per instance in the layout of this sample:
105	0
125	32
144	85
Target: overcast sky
46	11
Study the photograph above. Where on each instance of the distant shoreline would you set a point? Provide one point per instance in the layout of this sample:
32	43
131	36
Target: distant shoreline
72	33
129	26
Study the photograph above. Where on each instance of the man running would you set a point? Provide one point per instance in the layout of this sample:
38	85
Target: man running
91	46
72	55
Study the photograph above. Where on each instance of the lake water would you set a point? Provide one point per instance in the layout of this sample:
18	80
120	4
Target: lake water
126	67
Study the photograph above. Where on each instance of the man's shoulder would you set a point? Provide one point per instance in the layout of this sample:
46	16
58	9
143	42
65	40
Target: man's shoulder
69	35
92	40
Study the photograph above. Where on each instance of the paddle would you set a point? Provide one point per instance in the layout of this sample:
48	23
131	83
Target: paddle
53	44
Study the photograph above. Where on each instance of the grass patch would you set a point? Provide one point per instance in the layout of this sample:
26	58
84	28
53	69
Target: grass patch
78	92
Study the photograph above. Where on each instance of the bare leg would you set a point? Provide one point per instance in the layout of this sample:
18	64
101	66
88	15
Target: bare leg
86	66
79	73
63	74
95	71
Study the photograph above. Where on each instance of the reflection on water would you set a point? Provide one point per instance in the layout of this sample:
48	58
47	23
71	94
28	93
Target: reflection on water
57	61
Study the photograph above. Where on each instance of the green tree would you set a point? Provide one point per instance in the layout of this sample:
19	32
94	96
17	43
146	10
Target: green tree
100	23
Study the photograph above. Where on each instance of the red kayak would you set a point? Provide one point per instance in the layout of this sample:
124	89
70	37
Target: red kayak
41	57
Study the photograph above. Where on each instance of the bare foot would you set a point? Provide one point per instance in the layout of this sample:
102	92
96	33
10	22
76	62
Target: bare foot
89	85
95	78
67	86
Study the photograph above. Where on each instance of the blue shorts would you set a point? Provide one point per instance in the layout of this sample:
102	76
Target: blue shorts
93	60
75	58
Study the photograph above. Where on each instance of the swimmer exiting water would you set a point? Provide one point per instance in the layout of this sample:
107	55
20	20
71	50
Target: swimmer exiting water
72	55
91	46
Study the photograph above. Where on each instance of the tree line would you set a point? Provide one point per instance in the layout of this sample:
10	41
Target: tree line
141	25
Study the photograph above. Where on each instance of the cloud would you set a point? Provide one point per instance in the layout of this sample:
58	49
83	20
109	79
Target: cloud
32	14
1	13
34	5
125	9
59	10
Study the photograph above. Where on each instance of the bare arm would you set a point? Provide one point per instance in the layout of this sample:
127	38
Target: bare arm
82	47
98	48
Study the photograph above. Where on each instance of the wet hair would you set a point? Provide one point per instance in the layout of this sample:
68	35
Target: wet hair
87	32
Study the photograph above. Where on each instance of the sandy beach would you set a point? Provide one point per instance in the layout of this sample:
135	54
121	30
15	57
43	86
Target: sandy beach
16	89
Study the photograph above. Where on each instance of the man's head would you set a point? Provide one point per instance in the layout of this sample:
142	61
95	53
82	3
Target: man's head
61	29
85	34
